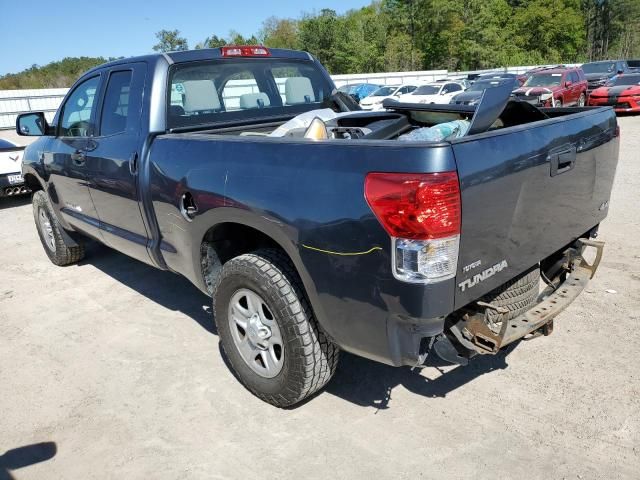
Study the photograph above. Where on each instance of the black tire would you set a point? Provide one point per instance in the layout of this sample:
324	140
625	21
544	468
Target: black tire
517	296
558	102
58	251
310	358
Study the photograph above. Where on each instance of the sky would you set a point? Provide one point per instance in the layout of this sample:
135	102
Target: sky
39	32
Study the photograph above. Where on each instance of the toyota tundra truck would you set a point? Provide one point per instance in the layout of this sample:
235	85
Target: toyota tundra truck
316	227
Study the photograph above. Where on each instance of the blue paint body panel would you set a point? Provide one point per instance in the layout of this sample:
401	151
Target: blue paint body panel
311	194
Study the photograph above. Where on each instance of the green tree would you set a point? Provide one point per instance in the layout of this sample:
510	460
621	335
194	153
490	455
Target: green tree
212	42
170	41
553	30
279	33
59	74
235	38
322	36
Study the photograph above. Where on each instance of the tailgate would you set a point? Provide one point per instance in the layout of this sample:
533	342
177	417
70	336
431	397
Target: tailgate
529	191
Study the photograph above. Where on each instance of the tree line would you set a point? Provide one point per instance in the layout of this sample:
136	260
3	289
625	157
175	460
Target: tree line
406	35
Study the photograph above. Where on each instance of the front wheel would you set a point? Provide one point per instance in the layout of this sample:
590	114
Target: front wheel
267	329
50	232
582	100
558	102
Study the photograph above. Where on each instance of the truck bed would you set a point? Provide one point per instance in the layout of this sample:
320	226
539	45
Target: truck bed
308	196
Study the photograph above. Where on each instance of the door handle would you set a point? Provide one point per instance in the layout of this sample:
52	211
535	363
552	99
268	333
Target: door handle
133	163
78	158
562	161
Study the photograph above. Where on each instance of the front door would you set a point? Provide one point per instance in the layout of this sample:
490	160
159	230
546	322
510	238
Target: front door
115	154
66	159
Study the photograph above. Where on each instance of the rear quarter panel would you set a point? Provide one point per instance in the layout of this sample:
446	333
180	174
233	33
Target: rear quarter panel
308	197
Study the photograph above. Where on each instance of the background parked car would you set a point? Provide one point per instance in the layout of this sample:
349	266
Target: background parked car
374	101
599	73
473	94
359	90
555	88
11	181
525	76
634	65
433	93
622	92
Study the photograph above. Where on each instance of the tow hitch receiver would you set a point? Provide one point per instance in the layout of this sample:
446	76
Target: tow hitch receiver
473	332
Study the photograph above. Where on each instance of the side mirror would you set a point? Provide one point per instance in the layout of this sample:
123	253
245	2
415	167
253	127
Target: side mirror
32	124
568	83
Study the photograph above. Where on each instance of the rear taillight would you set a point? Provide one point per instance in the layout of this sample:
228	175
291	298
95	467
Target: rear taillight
421	212
245	51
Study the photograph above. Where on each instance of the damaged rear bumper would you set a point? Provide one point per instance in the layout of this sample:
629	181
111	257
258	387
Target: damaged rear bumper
473	332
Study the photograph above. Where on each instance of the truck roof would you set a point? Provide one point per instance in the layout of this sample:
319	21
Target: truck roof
204	54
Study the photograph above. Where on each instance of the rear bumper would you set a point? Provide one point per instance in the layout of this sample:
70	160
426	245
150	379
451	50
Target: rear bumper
473	333
9	187
619	104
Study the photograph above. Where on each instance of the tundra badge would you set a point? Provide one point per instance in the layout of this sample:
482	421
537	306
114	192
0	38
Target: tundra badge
482	276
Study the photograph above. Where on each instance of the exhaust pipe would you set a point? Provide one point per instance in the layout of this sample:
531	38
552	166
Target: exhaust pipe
8	192
16	191
24	190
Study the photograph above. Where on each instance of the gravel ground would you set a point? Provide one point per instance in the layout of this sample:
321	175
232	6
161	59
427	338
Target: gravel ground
118	366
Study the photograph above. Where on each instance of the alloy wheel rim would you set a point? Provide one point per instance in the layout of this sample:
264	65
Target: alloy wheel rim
255	333
47	231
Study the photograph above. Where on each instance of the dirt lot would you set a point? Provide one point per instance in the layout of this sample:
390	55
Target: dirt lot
119	365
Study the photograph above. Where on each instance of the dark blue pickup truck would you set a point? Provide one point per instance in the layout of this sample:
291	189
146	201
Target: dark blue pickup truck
315	226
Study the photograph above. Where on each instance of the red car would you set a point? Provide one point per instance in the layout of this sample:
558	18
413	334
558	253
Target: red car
622	93
555	87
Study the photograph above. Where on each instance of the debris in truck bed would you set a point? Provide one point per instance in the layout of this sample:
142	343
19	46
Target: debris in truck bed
442	131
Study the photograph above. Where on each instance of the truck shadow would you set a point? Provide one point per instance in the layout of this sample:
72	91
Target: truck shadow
12	202
164	288
370	384
24	456
358	380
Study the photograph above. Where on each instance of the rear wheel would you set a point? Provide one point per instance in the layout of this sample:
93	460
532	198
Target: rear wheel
50	232
267	329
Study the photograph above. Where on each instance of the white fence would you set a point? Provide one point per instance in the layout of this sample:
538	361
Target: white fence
14	102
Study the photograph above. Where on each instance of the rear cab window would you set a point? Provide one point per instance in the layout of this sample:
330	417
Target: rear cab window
230	90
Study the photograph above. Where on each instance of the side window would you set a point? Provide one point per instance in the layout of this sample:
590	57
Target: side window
115	108
574	78
78	110
452	87
411	89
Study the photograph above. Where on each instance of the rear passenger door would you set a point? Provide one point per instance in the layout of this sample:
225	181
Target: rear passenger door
575	87
114	185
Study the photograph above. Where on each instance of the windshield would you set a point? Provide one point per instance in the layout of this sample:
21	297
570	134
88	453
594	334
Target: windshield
384	91
599	67
214	91
544	80
427	90
625	80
